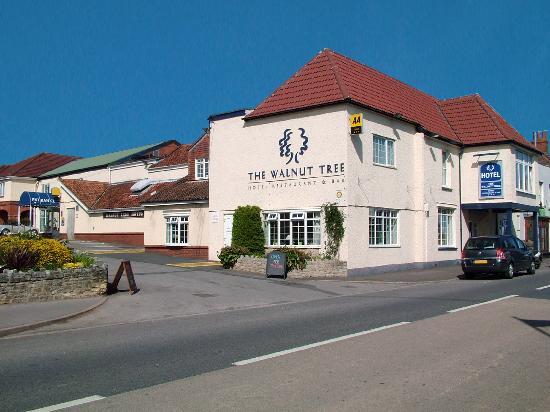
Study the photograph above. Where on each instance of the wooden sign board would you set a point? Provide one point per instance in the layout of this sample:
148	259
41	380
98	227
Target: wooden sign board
125	267
276	265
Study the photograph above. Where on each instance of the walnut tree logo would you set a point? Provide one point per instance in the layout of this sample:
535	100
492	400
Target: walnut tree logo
288	145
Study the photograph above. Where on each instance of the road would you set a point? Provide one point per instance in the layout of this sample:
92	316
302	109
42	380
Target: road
51	367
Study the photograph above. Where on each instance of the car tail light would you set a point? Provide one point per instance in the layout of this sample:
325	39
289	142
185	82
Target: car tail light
500	254
463	255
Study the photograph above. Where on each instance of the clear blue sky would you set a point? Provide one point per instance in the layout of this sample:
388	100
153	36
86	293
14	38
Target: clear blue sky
88	77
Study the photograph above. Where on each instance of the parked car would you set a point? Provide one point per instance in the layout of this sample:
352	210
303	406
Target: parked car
497	254
9	229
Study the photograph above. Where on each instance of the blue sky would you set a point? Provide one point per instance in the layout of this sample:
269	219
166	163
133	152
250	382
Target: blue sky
88	77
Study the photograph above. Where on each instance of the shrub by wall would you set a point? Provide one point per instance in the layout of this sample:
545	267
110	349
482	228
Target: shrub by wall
247	229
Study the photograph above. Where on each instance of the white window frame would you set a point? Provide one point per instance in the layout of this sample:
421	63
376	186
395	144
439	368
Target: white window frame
294	216
2	188
178	220
202	169
387	143
446	169
446	215
524	172
46	188
383	217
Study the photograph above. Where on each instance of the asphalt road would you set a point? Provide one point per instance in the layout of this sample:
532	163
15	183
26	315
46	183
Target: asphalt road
49	368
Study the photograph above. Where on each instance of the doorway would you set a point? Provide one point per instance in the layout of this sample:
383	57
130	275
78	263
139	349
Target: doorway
70	224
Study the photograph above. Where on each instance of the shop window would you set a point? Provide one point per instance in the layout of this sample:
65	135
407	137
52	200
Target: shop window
46	188
383	151
293	228
446	169
201	168
383	227
524	172
2	189
177	230
445	232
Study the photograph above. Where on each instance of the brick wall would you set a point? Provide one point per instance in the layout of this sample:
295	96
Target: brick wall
201	150
134	239
315	268
198	252
11	209
22	287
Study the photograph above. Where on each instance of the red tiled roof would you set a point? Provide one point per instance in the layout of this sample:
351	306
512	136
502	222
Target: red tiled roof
476	122
104	196
181	191
87	191
36	165
331	78
177	157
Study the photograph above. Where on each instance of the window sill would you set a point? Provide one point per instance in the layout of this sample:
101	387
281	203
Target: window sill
294	246
447	248
383	165
176	244
384	246
523	192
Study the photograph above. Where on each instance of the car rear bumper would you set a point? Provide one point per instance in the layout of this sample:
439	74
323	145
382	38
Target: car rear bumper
493	265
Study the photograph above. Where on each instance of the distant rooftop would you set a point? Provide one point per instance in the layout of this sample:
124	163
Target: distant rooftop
36	165
102	160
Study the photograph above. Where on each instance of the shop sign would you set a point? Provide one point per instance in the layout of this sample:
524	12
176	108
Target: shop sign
123	215
490	180
356	123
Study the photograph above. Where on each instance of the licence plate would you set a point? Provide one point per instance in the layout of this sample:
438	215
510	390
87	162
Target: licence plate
480	262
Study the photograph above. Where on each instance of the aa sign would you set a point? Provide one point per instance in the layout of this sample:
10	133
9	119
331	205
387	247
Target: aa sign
356	123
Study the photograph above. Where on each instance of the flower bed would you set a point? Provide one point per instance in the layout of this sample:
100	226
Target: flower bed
318	268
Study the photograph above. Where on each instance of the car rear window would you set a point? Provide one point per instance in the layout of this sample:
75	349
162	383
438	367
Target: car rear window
481	243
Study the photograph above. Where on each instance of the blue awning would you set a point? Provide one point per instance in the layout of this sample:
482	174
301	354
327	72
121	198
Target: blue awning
38	199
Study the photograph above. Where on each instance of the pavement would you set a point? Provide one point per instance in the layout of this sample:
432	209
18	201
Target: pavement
174	286
420	366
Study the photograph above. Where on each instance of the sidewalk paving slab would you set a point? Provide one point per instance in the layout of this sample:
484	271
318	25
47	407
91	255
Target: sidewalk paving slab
19	317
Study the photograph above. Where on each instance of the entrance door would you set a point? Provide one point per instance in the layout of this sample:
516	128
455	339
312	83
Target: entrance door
227	229
543	235
70	224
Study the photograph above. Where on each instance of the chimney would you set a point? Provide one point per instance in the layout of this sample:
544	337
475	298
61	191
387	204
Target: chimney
540	140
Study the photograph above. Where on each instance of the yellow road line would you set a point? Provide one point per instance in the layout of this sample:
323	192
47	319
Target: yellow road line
193	264
108	252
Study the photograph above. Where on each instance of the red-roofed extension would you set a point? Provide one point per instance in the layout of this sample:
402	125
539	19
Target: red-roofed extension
475	122
183	190
36	165
331	78
176	158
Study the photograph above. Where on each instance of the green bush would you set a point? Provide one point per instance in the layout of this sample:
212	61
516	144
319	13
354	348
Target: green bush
83	259
230	254
51	253
295	259
247	229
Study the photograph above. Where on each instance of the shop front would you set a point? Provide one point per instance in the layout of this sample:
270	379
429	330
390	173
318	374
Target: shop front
44	212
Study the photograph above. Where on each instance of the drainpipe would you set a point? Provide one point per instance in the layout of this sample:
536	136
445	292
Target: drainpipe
460	153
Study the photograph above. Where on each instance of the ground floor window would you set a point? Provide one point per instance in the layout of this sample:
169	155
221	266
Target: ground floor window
383	227
445	232
177	230
297	228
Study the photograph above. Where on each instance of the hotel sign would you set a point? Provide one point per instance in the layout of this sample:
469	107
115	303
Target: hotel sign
490	180
123	215
356	123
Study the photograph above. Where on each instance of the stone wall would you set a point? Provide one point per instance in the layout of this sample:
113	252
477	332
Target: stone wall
22	287
315	268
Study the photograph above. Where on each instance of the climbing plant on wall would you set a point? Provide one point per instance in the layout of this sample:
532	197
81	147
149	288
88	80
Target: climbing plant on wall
334	229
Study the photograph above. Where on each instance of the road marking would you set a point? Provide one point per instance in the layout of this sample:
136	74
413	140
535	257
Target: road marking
64	405
481	304
115	251
315	345
543	287
193	264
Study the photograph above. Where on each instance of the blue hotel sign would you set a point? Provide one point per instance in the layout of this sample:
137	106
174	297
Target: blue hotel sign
490	180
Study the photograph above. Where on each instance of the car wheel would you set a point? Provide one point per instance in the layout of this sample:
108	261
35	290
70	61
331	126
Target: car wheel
532	267
509	274
5	232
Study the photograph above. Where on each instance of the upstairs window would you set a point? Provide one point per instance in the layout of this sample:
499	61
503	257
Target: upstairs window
1	189
383	152
446	169
201	168
46	188
524	172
